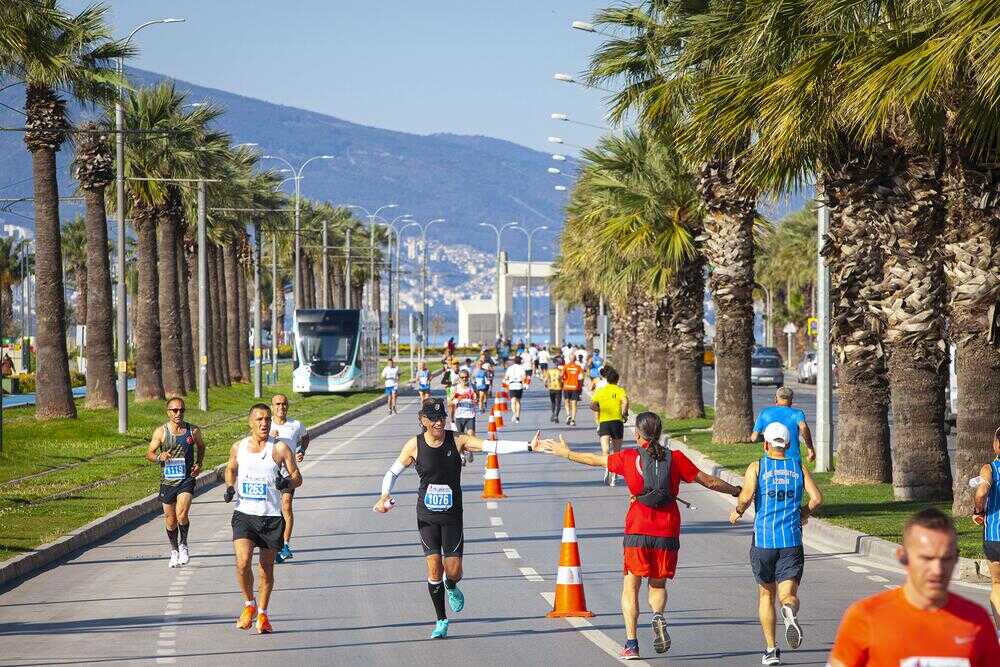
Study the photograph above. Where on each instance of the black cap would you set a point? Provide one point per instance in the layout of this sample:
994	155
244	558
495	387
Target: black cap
433	409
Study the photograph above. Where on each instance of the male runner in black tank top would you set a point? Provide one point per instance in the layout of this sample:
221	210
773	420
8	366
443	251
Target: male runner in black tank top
437	454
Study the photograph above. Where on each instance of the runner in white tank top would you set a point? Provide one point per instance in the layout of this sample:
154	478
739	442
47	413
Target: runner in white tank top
254	475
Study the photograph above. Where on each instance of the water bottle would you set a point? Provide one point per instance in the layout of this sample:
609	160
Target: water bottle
976	481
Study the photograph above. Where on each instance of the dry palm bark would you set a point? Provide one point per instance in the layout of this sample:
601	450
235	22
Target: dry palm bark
655	352
685	324
243	261
171	324
232	303
728	249
46	129
95	171
855	189
148	360
189	335
913	301
972	268
223	329
591	307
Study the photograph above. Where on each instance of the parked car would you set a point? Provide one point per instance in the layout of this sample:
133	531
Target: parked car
807	368
763	351
766	369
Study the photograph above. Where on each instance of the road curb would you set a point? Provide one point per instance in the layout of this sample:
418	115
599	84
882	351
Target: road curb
843	540
15	569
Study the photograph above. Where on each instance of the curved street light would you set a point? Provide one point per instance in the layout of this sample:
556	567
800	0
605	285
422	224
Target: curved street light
531	237
498	231
423	282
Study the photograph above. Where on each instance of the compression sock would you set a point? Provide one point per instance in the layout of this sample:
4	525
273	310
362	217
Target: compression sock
437	597
172	536
183	527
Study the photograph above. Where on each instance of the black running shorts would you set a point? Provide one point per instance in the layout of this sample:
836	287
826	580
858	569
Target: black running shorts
266	532
169	492
616	429
465	425
516	393
777	565
572	394
992	550
445	539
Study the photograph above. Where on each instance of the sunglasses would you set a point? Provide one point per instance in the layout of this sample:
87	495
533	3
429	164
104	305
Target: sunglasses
175	409
434	420
278	405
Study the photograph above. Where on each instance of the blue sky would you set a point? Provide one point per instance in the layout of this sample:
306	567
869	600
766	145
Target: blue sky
423	67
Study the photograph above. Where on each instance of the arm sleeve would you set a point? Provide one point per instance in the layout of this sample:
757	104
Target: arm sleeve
851	645
506	446
391	476
687	471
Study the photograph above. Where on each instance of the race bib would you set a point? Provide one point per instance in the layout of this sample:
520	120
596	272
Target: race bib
174	469
438	498
253	488
924	661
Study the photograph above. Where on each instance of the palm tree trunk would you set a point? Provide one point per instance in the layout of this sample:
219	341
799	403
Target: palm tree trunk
244	321
232	312
729	217
188	335
657	355
280	306
100	327
855	256
337	286
972	266
219	348
171	350
148	360
191	259
80	278
914	339
687	333
591	306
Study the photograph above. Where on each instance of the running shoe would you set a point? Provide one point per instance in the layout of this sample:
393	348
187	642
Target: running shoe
661	638
607	477
440	629
614	479
246	618
174	558
284	554
468	456
263	625
517	420
456	599
793	631
630	651
183	556
771	657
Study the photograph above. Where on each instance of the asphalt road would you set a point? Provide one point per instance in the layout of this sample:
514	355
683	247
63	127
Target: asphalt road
355	590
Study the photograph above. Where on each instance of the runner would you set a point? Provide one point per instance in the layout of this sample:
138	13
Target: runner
530	361
794	420
391	376
514	377
987	514
594	365
553	381
610	405
463	409
423	382
294	435
439	500
503	351
254	469
543	359
174	446
572	381
919	624
653	522
580	355
775	484
480	382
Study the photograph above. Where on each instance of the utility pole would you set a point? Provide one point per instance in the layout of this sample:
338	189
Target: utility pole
326	267
258	358
347	270
274	307
824	371
202	302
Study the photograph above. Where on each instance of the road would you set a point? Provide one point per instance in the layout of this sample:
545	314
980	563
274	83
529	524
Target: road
355	589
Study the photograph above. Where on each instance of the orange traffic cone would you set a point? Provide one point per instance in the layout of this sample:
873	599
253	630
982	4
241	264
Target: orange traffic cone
492	428
503	401
492	488
498	417
570	600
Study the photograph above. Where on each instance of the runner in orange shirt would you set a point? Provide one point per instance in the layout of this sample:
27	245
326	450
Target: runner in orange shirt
572	383
919	624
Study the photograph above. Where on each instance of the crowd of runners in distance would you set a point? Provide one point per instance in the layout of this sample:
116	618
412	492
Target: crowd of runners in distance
919	623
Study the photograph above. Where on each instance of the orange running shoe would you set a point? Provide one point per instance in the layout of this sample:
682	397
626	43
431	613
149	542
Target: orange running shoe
246	618
263	625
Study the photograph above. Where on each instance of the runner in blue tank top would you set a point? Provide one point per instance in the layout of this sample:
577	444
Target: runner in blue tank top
987	514
775	485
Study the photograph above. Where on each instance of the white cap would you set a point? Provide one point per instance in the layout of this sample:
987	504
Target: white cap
776	434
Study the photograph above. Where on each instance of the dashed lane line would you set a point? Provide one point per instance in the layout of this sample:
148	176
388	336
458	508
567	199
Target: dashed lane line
512	554
876	578
491	505
858	569
531	574
595	636
496	521
500	535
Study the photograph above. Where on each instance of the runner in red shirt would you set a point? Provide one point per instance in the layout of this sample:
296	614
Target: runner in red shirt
572	383
653	522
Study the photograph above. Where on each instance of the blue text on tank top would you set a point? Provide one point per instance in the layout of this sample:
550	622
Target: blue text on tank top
480	379
992	528
788	416
779	494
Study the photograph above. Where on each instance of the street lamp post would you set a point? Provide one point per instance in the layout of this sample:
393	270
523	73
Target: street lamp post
326	266
121	293
531	236
423	283
274	307
371	256
498	232
824	366
347	269
399	280
257	356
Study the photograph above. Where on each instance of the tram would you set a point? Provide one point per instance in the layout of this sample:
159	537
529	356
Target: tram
336	351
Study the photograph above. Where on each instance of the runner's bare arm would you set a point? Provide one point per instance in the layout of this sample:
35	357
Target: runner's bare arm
471	443
624	407
982	491
283	454
232	466
747	494
805	435
154	444
715	484
560	448
199	458
405	459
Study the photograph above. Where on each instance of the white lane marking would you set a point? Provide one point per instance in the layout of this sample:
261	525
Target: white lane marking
491	505
165	661
496	521
172	612
595	636
500	535
877	578
888	586
166	642
512	554
531	574
858	569
164	651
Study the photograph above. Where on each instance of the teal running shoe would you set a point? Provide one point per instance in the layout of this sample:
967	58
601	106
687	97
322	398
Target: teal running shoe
440	630
456	600
284	554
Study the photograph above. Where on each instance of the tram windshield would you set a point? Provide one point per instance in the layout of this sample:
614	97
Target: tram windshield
328	345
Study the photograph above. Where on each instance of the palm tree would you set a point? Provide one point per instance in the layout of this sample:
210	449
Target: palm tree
12	251
73	238
48	50
94	170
